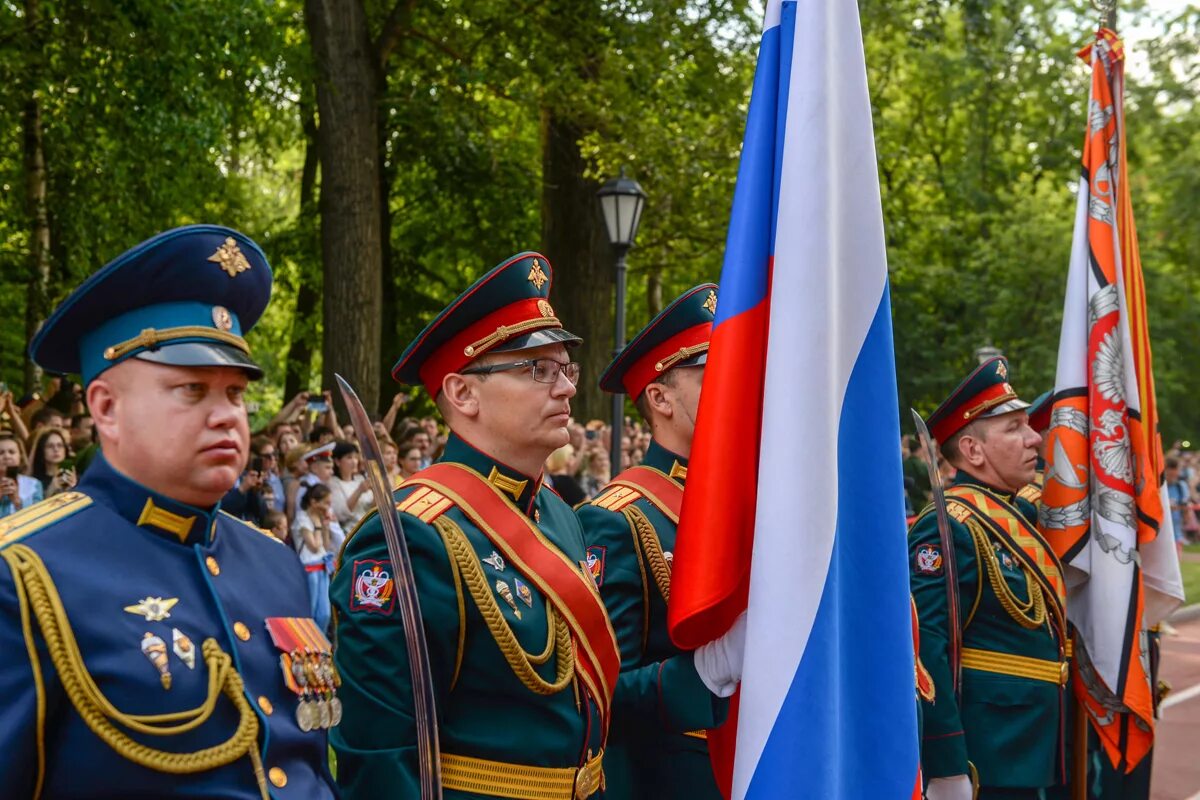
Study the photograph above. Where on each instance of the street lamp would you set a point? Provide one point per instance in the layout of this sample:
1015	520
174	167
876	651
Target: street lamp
621	203
987	353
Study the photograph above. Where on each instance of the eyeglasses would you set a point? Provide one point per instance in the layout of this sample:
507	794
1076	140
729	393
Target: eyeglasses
545	370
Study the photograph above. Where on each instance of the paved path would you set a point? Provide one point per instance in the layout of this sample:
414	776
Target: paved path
1177	754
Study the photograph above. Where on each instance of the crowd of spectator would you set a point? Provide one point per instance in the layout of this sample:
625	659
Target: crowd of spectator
304	481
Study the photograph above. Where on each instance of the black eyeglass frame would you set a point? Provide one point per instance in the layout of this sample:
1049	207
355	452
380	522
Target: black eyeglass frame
563	367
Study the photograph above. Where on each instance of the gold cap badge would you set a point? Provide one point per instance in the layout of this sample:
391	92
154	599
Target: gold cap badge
536	276
230	257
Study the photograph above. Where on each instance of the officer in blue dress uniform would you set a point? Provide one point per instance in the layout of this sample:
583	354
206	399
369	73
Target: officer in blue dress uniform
150	644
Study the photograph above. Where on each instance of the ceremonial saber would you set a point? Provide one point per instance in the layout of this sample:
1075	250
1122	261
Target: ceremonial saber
948	557
428	756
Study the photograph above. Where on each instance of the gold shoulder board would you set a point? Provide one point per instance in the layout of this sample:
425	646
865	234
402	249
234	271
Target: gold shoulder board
17	526
616	498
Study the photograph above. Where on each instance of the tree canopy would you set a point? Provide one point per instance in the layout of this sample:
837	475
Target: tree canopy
489	126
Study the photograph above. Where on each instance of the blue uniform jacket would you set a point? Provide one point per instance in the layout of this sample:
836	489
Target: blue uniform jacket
129	566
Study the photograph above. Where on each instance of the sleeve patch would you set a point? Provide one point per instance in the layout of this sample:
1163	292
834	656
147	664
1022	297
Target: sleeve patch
595	563
928	560
373	589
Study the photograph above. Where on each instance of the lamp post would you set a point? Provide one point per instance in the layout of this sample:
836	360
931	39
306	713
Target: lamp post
987	352
621	203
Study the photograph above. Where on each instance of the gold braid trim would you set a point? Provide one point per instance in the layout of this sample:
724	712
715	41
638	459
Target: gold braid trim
1030	614
36	592
647	541
521	662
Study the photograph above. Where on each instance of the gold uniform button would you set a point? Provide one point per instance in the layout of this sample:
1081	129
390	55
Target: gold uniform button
213	566
278	777
265	705
241	631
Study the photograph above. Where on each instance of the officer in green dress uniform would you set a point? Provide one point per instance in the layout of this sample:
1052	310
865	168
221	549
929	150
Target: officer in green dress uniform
666	698
522	655
142	629
1004	730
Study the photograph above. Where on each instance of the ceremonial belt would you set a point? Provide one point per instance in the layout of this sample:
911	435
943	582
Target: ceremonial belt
1038	669
659	488
521	543
1010	527
522	782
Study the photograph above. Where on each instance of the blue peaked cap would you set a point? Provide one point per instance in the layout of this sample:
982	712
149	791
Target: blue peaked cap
185	297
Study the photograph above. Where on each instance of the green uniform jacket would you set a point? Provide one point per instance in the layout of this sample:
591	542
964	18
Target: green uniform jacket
660	698
1008	727
484	710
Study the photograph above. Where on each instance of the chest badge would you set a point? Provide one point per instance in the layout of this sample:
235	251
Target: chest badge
506	593
495	561
155	649
183	647
523	592
154	609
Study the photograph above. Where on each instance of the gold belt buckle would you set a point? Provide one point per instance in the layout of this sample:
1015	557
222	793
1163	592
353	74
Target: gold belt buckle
590	778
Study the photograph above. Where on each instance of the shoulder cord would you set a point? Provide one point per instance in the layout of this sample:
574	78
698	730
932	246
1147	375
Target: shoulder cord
1030	614
647	540
36	591
558	637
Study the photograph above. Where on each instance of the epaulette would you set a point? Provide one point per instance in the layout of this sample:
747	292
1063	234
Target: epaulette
254	528
425	504
17	526
616	498
1031	493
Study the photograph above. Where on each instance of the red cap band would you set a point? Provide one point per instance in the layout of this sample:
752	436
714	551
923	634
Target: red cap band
515	319
658	360
989	398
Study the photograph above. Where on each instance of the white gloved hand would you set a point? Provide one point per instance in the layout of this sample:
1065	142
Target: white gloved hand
719	663
956	787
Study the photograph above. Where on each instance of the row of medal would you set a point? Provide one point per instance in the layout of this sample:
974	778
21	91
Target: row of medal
307	664
496	562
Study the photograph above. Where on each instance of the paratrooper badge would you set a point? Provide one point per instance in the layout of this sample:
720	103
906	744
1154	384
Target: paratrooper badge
505	592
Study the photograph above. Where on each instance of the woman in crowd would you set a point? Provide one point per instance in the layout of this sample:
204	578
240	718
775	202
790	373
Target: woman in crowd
596	473
295	469
391	461
50	462
17	489
314	542
352	497
558	467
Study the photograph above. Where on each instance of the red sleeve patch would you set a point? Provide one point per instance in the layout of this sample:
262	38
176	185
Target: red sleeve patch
595	563
928	560
373	589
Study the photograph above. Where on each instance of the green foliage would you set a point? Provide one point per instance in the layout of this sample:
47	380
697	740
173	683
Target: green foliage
161	114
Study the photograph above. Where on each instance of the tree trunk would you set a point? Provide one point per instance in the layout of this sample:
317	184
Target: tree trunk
38	285
654	298
348	143
298	365
574	241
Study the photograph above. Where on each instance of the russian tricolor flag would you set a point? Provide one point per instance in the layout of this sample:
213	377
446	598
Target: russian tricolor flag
794	504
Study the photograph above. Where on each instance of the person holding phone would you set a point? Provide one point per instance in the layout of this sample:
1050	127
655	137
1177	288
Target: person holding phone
173	615
17	490
53	464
